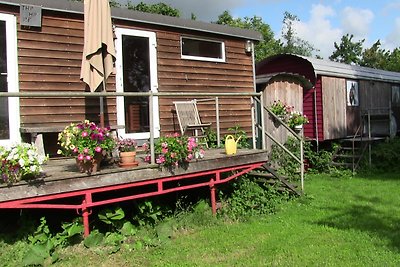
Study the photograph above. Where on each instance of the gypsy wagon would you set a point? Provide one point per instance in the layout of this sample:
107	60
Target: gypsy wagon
340	100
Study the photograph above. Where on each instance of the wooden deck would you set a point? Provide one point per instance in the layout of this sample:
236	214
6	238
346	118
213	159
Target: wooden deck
61	176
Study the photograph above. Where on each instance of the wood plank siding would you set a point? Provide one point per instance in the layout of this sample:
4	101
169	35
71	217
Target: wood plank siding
184	75
49	59
334	107
290	92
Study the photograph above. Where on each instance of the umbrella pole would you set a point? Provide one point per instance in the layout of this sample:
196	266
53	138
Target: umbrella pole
102	106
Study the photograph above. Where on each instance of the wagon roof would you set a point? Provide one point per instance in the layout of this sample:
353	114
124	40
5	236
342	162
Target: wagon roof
147	18
311	67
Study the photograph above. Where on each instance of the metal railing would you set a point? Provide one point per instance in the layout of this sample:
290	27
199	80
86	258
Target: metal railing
262	127
150	95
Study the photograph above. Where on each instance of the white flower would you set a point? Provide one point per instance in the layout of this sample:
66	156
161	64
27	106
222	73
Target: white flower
21	162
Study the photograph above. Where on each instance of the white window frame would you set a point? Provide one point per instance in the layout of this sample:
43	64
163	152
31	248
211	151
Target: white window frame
153	82
211	59
12	79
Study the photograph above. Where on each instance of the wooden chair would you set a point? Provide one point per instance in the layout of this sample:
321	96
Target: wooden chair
189	120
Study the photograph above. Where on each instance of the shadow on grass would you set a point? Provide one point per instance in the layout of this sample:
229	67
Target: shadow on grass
364	217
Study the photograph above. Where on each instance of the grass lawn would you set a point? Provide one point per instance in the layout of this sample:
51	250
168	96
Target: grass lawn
340	222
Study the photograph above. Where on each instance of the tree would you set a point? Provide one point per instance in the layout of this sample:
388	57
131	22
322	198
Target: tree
393	61
267	47
291	43
347	51
113	3
375	57
160	8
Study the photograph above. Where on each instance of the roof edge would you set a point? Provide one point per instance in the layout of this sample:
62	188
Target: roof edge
147	18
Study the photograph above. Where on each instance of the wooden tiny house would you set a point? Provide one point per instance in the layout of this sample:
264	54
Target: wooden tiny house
336	97
154	53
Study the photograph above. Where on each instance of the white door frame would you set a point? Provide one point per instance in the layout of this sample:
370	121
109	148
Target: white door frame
153	82
12	79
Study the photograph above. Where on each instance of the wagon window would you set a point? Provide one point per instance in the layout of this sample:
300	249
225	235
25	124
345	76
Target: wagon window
202	49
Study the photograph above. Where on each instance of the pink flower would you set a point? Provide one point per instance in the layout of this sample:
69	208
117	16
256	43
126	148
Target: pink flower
176	135
173	155
88	157
160	160
164	145
75	150
97	149
80	157
145	146
84	134
86	150
164	150
147	158
190	156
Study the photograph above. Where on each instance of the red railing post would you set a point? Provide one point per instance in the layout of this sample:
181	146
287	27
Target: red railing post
85	213
213	198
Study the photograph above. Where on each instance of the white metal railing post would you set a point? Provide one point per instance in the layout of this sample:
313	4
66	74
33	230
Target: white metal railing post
253	124
217	121
263	125
151	122
302	164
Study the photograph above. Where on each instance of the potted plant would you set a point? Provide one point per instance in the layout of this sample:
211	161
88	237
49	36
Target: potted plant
20	161
296	120
175	151
87	142
127	152
279	109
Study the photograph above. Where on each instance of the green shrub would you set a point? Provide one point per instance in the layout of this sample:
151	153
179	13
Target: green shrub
246	198
385	155
316	161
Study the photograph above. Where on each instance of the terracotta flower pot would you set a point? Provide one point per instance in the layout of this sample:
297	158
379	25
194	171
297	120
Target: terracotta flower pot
90	166
127	159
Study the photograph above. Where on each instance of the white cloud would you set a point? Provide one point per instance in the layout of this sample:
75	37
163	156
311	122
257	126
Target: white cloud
319	31
356	21
393	39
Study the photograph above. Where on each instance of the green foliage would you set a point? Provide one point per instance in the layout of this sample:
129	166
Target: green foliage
247	198
175	150
240	134
375	57
147	213
317	161
112	217
266	47
44	243
160	8
211	138
347	51
291	43
385	155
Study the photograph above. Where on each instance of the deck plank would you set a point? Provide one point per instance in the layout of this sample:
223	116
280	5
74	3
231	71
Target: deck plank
62	176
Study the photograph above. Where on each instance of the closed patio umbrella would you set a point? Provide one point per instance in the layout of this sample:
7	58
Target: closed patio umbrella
99	49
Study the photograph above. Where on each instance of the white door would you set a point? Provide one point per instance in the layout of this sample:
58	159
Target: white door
9	107
136	65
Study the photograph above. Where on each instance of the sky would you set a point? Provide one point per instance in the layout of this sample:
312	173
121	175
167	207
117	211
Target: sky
322	22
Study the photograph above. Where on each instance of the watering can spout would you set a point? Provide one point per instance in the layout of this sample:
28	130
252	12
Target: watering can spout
231	145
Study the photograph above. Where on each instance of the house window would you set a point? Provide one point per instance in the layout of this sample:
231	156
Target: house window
9	107
202	49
